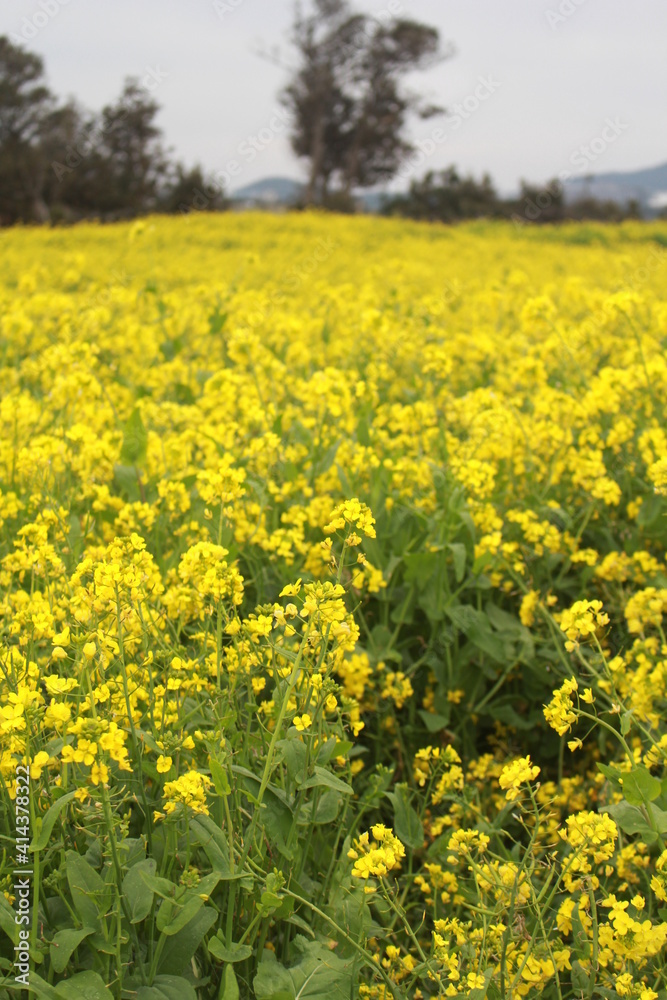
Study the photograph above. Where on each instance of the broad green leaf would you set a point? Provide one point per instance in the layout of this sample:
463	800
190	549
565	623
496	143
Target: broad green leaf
660	817
327	808
294	754
7	920
176	958
162	887
505	712
229	988
84	986
459	554
407	824
220	778
626	723
276	813
433	721
273	981
90	895
125	478
328	749
611	773
171	917
63	945
211	838
475	625
40	989
580	978
480	992
319	974
235	952
320	777
631	820
167	988
137	892
628	818
639	786
174	915
269	902
48	820
135	440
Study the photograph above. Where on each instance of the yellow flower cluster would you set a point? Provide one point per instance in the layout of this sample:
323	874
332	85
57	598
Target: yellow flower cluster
584	618
560	713
313	541
513	776
378	856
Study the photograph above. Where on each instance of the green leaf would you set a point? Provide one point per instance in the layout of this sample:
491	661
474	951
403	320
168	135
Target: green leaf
660	817
235	952
220	778
504	711
626	723
639	786
320	777
318	975
137	892
611	773
229	988
294	754
7	920
177	957
476	626
167	988
90	896
41	989
173	916
273	981
407	824
276	814
479	992
64	944
84	986
580	978
631	820
126	480
48	821
135	440
206	833
459	554
433	721
160	886
327	808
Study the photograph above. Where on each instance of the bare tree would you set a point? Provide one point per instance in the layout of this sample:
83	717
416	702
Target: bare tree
348	106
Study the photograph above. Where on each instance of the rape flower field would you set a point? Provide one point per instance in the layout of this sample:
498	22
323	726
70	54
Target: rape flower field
332	584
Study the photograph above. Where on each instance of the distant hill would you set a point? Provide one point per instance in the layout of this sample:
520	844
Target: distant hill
648	187
269	191
272	192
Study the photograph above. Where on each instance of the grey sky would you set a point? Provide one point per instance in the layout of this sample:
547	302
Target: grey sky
553	86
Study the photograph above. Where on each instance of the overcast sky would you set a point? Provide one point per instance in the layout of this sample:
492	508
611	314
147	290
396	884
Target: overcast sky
556	73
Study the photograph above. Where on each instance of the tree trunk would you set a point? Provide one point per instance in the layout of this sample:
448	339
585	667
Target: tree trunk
316	158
